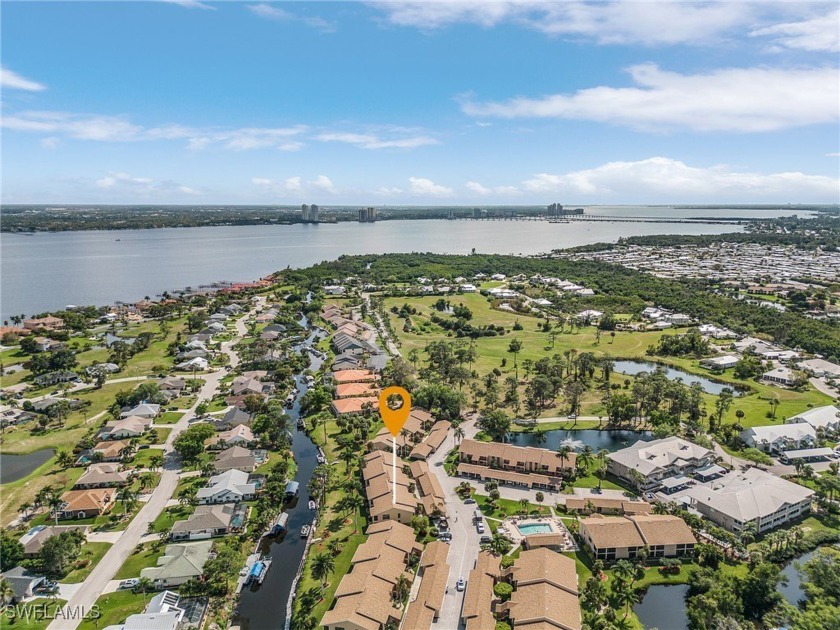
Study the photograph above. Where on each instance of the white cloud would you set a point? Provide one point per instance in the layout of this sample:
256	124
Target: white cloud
387	191
270	12
296	186
832	155
664	179
13	81
730	99
372	141
123	183
484	191
422	187
816	33
51	143
651	23
191	4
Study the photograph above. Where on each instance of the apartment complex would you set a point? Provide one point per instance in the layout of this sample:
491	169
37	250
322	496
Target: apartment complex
616	537
516	465
647	464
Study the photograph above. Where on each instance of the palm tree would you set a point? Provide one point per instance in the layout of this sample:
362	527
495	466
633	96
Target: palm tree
540	437
155	462
322	565
626	597
563	453
55	502
64	459
24	509
523	505
127	497
6	591
401	589
460	434
146	480
143	585
584	458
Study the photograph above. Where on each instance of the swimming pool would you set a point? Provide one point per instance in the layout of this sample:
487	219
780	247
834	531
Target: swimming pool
534	528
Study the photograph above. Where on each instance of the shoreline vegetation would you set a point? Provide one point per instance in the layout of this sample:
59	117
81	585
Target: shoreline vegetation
65	218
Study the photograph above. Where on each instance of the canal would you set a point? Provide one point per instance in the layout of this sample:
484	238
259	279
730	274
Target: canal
14	467
265	607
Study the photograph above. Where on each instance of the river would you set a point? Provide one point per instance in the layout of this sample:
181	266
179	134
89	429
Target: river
266	606
50	270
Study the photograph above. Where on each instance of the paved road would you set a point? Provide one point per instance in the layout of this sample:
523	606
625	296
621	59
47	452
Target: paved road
464	547
103	573
390	346
820	385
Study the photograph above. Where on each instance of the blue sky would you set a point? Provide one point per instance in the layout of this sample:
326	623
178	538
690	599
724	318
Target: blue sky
420	102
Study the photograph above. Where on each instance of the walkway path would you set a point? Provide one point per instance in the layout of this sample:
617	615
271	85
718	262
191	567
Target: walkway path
103	573
390	346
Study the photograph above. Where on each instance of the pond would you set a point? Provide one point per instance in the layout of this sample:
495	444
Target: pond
578	438
663	607
709	386
14	467
792	591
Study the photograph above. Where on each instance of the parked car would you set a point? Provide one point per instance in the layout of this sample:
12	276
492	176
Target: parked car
445	536
461	584
469	500
486	540
480	527
130	583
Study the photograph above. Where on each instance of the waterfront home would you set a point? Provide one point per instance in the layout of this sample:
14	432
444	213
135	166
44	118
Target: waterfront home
22	582
126	427
826	418
364	597
34	539
179	563
380	480
354	376
720	363
477	612
240	435
353	390
345	362
347	344
545	591
616	537
235	458
499	458
777	439
88	503
647	464
431	492
232	418
412	433
103	475
244	385
345	406
433	572
750	496
230	486
208	521
143	410
47	323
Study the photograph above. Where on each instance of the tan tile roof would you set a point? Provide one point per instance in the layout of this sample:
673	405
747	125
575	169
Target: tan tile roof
353	405
507	475
93	499
111	448
436	552
636	531
104	473
663	529
431	492
512	456
429	599
607	503
432	442
377	473
546	591
478	596
348	390
611	531
354	376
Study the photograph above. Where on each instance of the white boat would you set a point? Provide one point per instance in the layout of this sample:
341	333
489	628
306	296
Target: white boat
313	505
304	531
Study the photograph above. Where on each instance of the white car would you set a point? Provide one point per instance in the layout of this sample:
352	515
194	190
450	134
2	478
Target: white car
461	584
130	583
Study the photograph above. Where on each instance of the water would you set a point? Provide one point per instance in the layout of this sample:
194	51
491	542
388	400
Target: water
663	607
792	591
578	438
266	607
709	386
14	467
49	270
535	528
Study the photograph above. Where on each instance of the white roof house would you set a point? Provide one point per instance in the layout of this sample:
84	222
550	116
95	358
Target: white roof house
198	363
143	410
228	487
780	375
590	314
820	367
776	439
658	459
827	418
752	495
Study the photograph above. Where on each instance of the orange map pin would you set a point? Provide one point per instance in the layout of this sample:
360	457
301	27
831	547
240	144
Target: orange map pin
394	418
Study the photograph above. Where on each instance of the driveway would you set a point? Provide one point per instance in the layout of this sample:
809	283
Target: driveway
102	576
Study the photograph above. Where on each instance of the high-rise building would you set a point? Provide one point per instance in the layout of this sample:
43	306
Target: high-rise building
309	214
557	210
367	215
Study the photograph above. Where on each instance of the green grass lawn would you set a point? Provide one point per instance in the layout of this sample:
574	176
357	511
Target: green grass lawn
167	518
14	494
143	457
90	555
169	417
146	555
115	607
30	614
162	435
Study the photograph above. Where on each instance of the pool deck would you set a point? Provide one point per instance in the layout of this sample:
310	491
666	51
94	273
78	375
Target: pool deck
510	528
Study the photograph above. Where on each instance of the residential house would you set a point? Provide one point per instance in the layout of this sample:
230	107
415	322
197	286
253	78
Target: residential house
232	418
23	583
433	571
516	465
364	599
777	439
88	503
240	435
354	376
179	563
432	442
820	368
54	378
750	496
126	427
720	363
47	323
413	432
606	505
646	464
826	418
617	537
173	384
34	539
431	492
244	385
197	364
103	475
208	521
109	450
477	610
380	478
780	376
143	410
235	458
344	406
231	486
545	591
